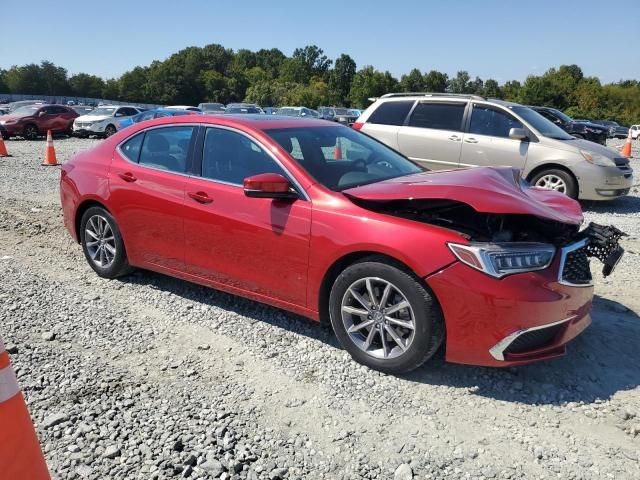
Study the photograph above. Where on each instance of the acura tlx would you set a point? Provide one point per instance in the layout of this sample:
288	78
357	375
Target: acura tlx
324	221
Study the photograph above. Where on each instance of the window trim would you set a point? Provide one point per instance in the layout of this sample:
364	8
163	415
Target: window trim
406	117
463	122
200	149
156	169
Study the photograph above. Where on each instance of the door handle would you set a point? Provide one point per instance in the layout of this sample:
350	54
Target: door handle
127	177
200	197
455	138
471	140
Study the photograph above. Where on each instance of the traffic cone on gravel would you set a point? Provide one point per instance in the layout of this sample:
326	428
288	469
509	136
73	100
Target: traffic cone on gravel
337	153
50	152
626	149
3	148
20	453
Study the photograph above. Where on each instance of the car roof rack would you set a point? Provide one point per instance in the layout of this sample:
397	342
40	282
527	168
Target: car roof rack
431	94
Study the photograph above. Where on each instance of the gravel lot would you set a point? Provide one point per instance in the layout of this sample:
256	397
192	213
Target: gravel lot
150	377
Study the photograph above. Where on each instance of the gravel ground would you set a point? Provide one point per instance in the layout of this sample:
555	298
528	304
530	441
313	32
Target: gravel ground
150	377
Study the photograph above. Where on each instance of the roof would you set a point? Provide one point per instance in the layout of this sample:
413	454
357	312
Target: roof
248	121
444	97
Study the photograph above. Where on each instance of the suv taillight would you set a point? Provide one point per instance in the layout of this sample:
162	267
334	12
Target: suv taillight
357	125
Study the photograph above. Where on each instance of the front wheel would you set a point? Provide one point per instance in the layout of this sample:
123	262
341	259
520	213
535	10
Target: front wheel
385	317
102	243
110	130
558	180
30	132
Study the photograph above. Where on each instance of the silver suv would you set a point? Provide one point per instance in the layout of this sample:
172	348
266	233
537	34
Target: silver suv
455	131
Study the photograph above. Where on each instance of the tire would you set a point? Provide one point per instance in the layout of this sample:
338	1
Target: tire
422	312
69	131
553	179
109	261
30	131
109	130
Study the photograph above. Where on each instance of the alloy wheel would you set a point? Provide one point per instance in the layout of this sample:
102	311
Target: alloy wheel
552	182
378	317
30	132
109	131
100	241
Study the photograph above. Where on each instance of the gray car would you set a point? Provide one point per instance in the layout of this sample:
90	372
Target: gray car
443	131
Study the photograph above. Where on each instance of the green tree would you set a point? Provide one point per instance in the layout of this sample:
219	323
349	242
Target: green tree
369	82
412	82
54	79
491	89
133	85
111	90
4	88
461	83
435	81
294	70
313	58
511	90
340	79
270	61
85	85
26	79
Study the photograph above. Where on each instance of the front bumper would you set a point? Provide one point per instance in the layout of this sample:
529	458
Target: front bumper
602	183
495	312
11	129
90	130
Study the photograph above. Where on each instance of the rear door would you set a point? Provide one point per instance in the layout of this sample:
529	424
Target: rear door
146	183
433	134
487	142
385	121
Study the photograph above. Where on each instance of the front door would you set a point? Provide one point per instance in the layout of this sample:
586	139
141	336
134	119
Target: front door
259	245
146	183
486	142
433	136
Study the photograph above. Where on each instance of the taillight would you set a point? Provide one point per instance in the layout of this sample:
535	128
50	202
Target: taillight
357	125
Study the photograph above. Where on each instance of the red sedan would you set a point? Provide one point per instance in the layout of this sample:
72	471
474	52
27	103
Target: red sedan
319	219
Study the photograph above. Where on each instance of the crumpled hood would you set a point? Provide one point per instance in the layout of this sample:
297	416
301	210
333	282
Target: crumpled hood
485	189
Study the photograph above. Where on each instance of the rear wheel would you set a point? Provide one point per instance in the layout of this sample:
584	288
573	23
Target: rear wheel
30	132
102	243
110	130
558	180
385	317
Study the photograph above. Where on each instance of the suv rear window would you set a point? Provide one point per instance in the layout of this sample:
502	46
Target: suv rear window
391	113
439	116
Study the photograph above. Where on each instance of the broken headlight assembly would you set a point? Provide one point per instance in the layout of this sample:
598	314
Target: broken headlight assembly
501	259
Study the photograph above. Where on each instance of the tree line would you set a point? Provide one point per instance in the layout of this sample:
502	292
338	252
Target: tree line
308	77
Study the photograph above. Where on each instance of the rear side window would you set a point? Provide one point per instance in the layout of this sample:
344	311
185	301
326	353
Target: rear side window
166	148
439	116
391	113
131	148
487	121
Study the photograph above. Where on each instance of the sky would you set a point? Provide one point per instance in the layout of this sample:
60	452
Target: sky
497	39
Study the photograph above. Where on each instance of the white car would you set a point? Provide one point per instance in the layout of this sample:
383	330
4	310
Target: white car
184	107
635	131
102	121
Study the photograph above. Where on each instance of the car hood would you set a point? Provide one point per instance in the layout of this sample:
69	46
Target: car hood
92	118
576	144
485	189
13	117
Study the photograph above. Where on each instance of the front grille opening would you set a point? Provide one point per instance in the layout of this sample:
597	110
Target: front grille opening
535	339
576	268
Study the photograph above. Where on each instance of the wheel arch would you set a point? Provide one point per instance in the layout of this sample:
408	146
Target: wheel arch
347	260
83	207
551	166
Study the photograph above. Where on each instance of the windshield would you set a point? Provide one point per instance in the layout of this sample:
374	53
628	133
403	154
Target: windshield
544	127
104	111
565	118
291	112
212	107
242	110
341	111
25	111
340	157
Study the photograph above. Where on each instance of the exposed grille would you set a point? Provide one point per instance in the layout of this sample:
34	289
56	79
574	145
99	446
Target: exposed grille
534	339
576	267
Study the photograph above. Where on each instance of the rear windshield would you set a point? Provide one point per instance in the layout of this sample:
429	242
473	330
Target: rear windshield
339	157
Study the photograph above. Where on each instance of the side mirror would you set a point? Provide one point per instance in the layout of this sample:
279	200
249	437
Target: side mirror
518	133
42	114
268	185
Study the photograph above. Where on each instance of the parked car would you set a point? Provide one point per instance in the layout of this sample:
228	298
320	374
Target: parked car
151	114
83	109
32	121
635	131
355	112
184	107
586	130
338	114
295	112
264	207
269	110
452	131
211	107
243	109
615	129
102	121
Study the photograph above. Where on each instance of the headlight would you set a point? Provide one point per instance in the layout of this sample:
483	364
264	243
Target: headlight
597	159
500	259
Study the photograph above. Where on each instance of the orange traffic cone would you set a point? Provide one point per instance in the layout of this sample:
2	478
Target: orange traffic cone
337	153
626	149
50	152
3	148
20	453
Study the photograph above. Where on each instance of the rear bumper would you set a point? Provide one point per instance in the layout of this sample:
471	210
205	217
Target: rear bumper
488	328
